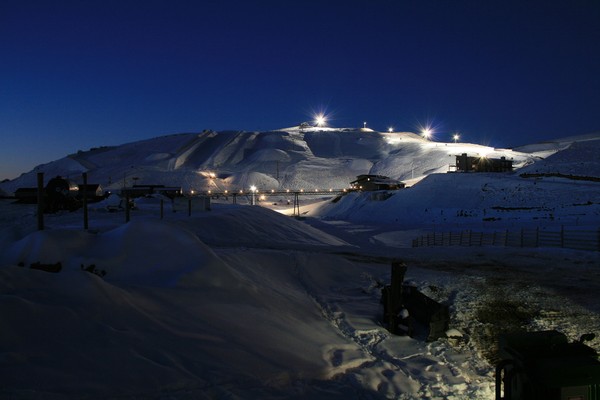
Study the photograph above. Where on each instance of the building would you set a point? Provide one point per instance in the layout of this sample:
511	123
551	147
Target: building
375	182
91	190
465	163
144	190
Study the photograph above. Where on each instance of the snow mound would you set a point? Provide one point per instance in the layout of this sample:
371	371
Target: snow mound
152	252
257	227
142	252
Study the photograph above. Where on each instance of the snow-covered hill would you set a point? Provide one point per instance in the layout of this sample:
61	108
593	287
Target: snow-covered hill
313	158
245	302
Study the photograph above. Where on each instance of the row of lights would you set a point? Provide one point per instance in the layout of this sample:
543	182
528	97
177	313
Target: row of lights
253	189
428	132
321	120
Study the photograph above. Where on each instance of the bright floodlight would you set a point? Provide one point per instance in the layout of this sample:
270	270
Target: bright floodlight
320	120
456	136
426	133
390	129
253	188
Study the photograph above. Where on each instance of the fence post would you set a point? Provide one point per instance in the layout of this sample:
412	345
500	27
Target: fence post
394	295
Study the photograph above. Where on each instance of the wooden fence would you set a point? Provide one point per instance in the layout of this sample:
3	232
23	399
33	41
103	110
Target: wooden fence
571	238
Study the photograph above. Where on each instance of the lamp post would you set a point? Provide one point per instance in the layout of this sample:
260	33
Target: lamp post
253	190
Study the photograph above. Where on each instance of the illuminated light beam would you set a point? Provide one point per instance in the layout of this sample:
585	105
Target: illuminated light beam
320	120
427	130
426	133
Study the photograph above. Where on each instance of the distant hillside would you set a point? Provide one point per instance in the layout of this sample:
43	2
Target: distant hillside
580	158
294	158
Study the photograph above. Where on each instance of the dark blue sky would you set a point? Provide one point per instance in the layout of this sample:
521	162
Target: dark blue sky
80	74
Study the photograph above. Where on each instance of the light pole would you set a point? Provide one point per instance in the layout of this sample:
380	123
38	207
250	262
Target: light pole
253	190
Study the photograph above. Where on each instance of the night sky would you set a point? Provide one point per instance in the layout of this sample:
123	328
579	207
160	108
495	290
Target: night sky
81	74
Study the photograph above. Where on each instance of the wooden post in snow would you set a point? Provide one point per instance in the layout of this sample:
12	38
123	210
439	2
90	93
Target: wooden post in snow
393	296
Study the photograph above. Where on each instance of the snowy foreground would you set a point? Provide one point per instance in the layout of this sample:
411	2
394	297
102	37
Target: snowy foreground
244	302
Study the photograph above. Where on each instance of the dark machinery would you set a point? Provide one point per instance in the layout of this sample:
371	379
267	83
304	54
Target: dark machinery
545	366
61	194
406	310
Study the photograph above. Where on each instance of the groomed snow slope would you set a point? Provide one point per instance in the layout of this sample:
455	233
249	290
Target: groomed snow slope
292	159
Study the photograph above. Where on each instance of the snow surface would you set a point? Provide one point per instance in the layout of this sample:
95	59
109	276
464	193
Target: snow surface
247	302
315	158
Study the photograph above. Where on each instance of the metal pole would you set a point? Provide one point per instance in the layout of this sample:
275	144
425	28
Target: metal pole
40	201
85	209
296	203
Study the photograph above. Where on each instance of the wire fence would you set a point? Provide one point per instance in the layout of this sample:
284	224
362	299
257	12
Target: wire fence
571	238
